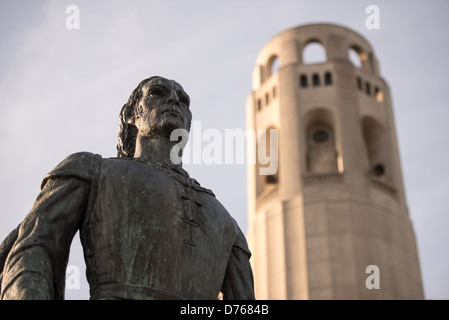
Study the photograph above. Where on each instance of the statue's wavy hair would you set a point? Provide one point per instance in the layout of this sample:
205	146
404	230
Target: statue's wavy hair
127	135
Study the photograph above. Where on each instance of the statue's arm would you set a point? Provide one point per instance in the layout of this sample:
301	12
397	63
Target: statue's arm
35	266
38	259
238	283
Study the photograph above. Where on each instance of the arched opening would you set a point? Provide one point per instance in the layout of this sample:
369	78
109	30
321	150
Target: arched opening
354	58
360	59
314	52
321	154
272	65
376	148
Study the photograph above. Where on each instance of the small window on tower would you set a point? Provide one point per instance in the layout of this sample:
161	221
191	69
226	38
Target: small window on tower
303	81
320	136
359	83
379	170
259	104
274	92
368	89
271	179
316	80
328	78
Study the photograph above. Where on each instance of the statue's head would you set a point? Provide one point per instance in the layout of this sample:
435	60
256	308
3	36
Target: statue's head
155	108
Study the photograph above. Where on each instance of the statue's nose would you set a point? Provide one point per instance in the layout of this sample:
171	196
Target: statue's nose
173	98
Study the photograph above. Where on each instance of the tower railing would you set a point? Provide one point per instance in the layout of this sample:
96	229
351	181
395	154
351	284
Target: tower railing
266	196
314	178
382	185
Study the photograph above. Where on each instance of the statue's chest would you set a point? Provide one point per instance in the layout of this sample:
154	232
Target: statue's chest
149	229
146	211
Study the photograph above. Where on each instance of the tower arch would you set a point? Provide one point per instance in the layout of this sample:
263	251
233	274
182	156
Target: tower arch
361	58
272	65
314	52
319	133
377	148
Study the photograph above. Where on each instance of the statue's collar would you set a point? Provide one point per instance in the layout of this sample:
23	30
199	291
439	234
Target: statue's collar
177	173
163	167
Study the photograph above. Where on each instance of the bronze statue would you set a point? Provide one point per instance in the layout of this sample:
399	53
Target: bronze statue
148	230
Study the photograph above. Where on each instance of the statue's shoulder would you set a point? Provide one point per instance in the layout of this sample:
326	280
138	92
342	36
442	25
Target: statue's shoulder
240	241
80	165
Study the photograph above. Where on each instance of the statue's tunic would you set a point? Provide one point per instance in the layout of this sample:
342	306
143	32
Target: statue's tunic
148	232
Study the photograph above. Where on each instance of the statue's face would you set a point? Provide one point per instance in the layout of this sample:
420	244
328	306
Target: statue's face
163	108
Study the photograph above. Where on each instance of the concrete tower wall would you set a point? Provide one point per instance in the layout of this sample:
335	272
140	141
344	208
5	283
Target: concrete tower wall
337	203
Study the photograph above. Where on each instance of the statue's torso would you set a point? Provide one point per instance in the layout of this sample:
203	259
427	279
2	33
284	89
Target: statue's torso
154	233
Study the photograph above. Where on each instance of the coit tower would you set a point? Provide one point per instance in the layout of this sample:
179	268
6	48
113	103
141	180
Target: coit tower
332	221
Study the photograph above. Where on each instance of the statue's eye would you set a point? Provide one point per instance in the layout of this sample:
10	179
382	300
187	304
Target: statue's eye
184	99
156	93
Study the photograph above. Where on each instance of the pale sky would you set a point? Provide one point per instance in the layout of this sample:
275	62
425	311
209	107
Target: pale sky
61	91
